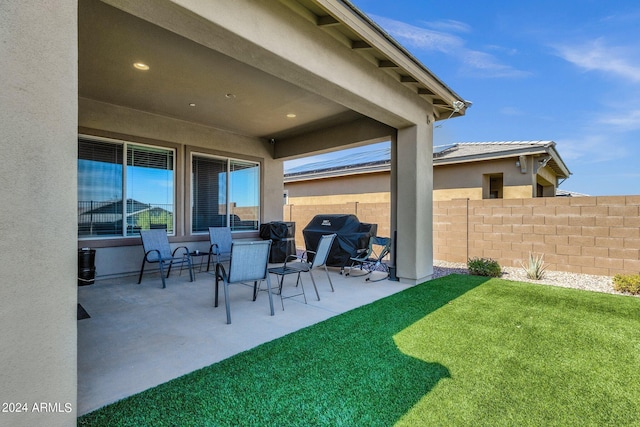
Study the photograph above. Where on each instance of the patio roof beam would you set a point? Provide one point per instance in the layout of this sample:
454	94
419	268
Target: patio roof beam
360	44
358	132
327	20
385	63
425	91
408	79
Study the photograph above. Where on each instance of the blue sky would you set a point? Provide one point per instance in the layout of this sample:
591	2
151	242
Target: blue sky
567	71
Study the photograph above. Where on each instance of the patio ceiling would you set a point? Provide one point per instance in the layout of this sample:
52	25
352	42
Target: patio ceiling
191	82
227	94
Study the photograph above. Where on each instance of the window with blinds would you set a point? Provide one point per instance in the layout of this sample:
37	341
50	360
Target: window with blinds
209	195
225	192
124	188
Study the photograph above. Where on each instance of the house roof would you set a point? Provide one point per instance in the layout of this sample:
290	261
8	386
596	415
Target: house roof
474	151
566	193
369	161
380	159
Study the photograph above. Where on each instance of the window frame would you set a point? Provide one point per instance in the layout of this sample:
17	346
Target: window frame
228	158
125	143
488	190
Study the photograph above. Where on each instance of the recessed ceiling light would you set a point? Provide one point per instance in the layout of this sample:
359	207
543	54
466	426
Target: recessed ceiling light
141	66
229	96
291	115
192	104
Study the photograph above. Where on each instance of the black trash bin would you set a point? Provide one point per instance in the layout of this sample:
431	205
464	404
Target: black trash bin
86	266
282	236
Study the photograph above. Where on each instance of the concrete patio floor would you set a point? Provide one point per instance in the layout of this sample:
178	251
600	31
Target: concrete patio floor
139	336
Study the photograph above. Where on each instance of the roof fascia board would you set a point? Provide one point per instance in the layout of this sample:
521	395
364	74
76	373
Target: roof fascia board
556	156
369	31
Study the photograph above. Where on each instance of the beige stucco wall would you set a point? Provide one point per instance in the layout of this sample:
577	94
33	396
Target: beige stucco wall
517	192
469	174
475	193
103	119
38	135
457	193
413	217
342	186
547	174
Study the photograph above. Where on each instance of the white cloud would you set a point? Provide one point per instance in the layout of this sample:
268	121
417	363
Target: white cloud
489	65
592	149
421	38
449	25
596	55
507	50
481	64
623	121
512	111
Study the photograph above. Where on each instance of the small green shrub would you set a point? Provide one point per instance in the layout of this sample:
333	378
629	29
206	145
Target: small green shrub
484	267
627	283
535	267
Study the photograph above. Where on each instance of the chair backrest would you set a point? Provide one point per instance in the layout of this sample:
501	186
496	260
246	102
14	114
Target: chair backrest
324	246
221	237
156	239
379	247
249	261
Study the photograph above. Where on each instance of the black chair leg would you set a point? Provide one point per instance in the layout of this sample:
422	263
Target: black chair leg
191	276
141	271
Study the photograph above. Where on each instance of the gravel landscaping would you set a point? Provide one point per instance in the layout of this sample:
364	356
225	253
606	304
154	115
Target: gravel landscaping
555	278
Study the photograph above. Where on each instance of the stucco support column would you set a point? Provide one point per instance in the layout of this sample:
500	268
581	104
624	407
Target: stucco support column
38	225
414	206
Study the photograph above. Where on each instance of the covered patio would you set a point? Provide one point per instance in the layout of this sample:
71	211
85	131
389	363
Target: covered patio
212	95
139	336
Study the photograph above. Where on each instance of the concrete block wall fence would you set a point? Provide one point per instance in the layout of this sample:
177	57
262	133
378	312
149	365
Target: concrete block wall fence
589	235
376	213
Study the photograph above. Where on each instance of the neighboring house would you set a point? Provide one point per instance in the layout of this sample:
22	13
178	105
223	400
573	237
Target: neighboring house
565	193
473	170
497	170
199	102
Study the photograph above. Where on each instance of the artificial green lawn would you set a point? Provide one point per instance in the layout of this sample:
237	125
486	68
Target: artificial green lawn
460	350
